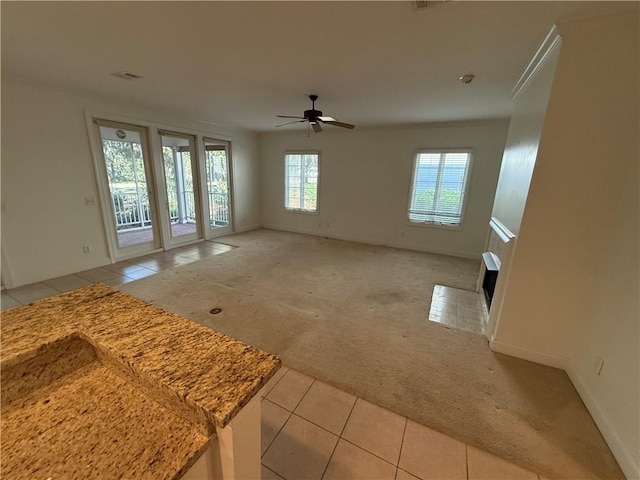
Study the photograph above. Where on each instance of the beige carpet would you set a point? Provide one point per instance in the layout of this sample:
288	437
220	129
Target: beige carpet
355	316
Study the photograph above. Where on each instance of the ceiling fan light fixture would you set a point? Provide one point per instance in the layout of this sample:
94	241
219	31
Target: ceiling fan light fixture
315	118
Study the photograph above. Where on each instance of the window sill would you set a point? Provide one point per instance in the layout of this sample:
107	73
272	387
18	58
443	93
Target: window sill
304	212
440	226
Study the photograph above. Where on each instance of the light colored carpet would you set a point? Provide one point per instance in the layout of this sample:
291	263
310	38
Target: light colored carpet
355	316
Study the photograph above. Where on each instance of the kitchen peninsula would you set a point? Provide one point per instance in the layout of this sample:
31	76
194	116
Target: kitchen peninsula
97	383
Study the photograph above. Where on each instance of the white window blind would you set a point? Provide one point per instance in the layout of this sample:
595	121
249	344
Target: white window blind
301	181
439	187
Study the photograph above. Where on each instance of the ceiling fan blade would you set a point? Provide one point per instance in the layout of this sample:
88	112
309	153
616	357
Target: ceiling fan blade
316	127
289	123
340	124
288	116
327	119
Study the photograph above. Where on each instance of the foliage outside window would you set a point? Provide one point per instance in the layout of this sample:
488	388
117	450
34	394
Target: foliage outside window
301	181
217	185
439	187
179	157
127	183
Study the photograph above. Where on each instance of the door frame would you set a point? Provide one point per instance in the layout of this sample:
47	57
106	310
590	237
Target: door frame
95	148
211	233
169	240
117	253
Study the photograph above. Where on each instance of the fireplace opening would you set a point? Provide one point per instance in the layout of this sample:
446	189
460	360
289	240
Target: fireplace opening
492	267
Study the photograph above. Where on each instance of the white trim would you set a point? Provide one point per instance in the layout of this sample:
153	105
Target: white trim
246	228
230	228
117	253
153	131
159	187
114	117
194	146
465	190
503	232
544	50
495	311
286	182
537	357
96	156
499	294
628	462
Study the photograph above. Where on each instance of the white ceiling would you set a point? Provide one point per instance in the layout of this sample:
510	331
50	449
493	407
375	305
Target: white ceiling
241	63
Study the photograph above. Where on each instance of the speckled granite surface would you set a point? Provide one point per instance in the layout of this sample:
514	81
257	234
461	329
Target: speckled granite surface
97	382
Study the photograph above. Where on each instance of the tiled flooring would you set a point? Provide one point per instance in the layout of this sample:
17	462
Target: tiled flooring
133	237
458	308
311	430
114	274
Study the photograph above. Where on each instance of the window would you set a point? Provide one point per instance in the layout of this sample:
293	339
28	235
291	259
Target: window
439	187
301	181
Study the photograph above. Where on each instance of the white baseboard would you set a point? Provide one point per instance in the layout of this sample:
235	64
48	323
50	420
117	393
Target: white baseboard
537	357
626	458
357	239
247	228
628	462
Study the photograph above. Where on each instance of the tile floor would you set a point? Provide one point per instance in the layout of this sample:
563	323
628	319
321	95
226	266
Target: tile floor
458	308
114	274
133	237
311	430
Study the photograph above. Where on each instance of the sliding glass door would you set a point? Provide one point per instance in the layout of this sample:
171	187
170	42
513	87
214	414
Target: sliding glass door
218	181
160	189
129	178
181	186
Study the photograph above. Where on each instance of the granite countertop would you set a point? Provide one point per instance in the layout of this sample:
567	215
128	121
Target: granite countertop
97	382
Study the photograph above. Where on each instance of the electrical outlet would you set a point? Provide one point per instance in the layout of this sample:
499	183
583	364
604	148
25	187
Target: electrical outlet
86	249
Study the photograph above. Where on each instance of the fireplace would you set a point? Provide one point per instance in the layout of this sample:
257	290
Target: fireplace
491	268
500	246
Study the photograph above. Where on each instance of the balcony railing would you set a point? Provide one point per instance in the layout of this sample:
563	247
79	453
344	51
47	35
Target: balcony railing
188	213
132	209
219	209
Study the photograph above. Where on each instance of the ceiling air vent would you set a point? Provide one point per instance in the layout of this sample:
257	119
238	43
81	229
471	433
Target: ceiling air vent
127	75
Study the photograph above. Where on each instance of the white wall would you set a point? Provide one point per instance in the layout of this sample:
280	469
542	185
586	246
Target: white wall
572	292
47	172
365	176
525	128
611	330
530	100
246	181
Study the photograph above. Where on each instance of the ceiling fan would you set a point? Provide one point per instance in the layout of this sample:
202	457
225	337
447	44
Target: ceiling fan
315	118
